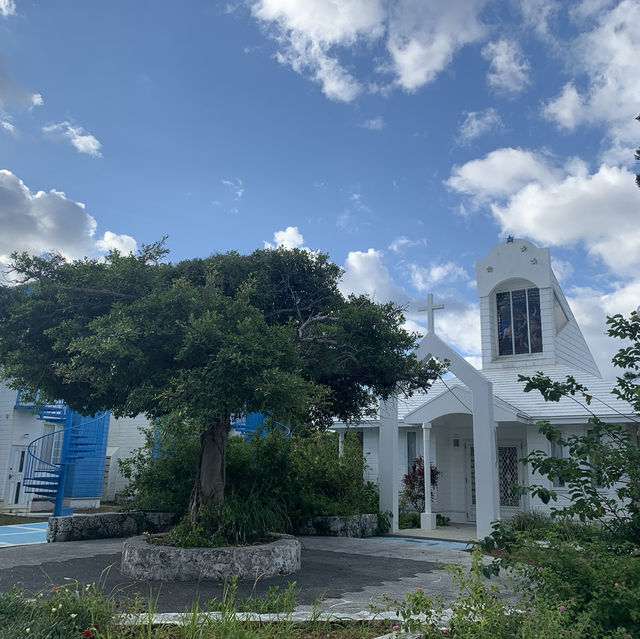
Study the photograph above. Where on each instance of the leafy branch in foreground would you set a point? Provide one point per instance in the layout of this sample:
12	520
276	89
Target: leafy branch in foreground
599	470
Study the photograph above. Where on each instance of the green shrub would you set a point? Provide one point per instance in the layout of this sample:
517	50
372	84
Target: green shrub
161	474
481	611
287	481
408	520
442	520
240	520
304	474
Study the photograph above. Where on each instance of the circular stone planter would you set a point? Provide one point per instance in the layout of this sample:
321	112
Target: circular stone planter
142	560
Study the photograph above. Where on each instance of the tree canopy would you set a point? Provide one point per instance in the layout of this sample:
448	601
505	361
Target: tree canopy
204	339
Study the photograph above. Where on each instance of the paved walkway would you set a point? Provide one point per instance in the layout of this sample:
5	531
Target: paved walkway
349	574
23	535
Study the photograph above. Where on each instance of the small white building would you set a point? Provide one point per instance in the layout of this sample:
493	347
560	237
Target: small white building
478	424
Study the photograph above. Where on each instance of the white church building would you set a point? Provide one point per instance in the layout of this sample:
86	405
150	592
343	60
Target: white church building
475	426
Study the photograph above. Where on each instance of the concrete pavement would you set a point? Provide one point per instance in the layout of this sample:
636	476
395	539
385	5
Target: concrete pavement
349	574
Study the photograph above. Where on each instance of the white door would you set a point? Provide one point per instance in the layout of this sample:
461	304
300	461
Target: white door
17	461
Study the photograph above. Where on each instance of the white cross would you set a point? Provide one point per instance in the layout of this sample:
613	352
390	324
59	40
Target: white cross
430	307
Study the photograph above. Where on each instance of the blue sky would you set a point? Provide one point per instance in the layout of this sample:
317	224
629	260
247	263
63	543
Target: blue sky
404	138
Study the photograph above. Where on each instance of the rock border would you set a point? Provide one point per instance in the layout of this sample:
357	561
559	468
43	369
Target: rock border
352	526
142	560
108	525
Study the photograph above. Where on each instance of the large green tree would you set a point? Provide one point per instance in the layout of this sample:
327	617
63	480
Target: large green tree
204	339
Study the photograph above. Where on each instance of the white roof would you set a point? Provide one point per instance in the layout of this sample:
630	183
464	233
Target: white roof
531	407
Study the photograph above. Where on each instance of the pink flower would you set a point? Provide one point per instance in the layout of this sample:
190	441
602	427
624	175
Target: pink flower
396	628
420	590
561	608
616	585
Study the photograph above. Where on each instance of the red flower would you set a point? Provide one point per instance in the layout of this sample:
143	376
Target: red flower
54	588
87	633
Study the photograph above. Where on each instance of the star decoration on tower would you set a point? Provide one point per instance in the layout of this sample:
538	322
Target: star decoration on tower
523	248
510	239
534	260
489	269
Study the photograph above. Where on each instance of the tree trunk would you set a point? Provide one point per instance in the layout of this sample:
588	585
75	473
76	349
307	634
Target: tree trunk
208	490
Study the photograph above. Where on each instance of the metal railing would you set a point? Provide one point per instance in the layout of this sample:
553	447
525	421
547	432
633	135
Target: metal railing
50	454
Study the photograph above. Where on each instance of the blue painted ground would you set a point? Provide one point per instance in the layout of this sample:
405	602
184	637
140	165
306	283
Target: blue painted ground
23	534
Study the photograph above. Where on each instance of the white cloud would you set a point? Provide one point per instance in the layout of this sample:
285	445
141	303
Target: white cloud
7	8
235	186
421	38
591	307
477	123
358	203
309	32
400	243
80	139
7	126
423	278
562	269
461	328
374	124
567	109
501	173
538	14
44	222
365	274
559	205
111	241
509	69
607	55
289	238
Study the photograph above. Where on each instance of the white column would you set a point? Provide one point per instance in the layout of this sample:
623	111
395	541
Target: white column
340	443
486	460
388	481
427	518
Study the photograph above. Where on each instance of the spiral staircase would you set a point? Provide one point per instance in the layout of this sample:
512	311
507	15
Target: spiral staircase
53	458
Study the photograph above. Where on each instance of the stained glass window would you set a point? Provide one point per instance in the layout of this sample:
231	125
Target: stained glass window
519	327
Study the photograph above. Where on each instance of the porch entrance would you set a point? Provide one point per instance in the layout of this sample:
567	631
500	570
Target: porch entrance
509	476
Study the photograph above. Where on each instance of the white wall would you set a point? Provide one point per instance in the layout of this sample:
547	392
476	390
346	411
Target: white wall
124	437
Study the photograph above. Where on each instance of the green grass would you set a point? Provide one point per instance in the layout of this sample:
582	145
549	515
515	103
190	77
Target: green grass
74	611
